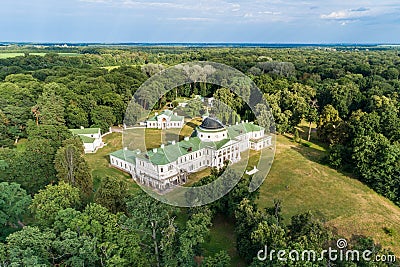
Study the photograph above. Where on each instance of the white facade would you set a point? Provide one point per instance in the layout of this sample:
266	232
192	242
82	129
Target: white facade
91	138
214	146
166	120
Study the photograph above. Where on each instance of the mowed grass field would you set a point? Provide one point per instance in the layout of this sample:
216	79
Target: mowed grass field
345	204
11	55
348	206
100	165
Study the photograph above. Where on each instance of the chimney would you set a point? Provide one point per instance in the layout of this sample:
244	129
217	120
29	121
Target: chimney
138	151
125	148
237	123
154	150
247	121
82	127
176	113
156	113
186	138
173	142
162	146
242	122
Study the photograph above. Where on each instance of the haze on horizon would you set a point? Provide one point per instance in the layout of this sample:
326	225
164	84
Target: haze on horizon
250	21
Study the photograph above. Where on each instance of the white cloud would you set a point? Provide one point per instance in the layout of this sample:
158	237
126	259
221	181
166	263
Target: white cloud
191	19
235	7
347	14
269	13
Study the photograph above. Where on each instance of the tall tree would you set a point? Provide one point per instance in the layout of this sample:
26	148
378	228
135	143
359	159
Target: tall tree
52	199
312	116
197	228
30	247
150	218
13	204
112	194
72	167
50	106
102	117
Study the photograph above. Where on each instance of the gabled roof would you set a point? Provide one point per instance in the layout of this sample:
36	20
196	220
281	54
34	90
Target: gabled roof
85	131
242	128
171	153
169	114
127	155
87	140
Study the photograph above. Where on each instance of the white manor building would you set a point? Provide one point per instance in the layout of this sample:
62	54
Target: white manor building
166	120
91	138
212	145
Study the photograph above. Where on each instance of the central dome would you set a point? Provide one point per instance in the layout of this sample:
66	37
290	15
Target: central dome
211	124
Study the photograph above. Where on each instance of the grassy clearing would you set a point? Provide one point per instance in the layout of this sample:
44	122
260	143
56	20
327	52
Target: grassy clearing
99	162
153	138
197	176
13	54
346	204
110	68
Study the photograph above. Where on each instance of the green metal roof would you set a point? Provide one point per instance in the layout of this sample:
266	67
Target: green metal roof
127	155
241	128
171	153
87	140
85	131
168	113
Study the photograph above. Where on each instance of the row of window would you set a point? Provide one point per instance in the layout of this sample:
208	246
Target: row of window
155	124
209	137
120	164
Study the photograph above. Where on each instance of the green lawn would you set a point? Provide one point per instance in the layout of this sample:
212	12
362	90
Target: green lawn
153	138
99	162
302	184
345	203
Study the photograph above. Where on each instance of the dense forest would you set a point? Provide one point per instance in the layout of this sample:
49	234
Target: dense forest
50	217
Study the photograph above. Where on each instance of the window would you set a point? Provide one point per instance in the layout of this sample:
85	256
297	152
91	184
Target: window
209	137
162	169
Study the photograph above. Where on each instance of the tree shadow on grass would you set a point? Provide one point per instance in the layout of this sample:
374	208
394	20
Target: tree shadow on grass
316	155
307	151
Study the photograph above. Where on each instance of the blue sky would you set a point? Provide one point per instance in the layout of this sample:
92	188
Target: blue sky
253	21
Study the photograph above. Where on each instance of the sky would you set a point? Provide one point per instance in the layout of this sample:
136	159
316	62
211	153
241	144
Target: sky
206	21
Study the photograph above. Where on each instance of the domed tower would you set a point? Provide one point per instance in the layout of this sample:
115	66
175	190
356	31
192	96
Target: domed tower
211	130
